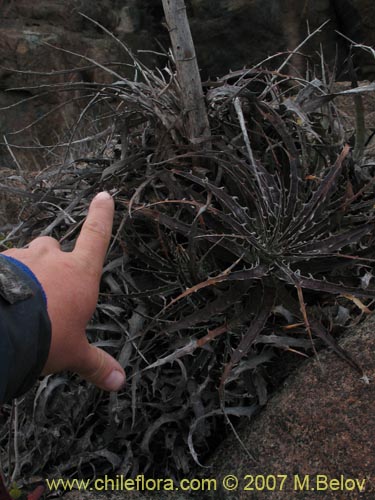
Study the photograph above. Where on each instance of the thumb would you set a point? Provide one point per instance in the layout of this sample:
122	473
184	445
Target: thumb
102	370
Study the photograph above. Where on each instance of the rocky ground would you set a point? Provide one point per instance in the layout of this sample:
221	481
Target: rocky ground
319	426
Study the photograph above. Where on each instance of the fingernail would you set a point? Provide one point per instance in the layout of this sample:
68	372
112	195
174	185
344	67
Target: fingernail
115	381
104	195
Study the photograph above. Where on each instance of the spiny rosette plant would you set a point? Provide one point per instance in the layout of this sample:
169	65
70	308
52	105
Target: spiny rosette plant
227	254
252	233
260	243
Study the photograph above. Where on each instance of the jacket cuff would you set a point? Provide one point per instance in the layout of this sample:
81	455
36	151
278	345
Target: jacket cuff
27	271
25	329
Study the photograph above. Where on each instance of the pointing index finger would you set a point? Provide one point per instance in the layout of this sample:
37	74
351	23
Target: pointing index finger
93	241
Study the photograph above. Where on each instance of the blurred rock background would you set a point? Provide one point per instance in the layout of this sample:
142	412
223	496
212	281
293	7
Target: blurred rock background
229	34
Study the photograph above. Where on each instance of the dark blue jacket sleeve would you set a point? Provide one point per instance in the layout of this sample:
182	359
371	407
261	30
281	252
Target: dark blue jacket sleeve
25	329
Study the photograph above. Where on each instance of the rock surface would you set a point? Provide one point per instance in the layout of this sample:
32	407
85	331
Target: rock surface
320	423
229	34
27	32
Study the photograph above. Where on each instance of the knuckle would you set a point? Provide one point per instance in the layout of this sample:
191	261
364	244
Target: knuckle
87	266
44	243
97	227
97	364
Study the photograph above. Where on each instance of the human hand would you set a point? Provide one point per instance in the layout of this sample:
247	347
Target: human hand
71	283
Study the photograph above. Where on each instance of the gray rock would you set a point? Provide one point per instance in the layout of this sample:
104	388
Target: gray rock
321	423
319	426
